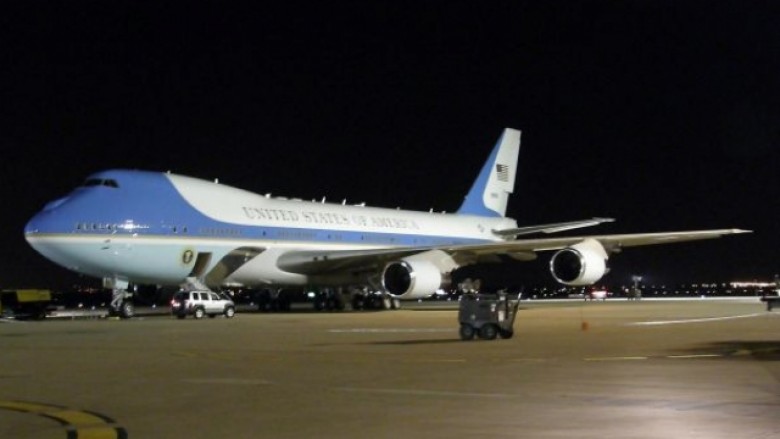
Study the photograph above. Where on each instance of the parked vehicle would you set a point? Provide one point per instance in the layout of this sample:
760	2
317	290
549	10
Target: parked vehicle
25	304
487	316
202	303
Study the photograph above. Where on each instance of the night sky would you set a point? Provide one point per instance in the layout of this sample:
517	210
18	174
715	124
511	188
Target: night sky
661	114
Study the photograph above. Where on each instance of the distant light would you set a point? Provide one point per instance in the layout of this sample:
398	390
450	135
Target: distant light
752	284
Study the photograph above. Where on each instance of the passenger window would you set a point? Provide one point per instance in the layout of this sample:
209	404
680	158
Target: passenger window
204	296
214	296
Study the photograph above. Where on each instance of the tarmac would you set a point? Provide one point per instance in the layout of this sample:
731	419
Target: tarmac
614	369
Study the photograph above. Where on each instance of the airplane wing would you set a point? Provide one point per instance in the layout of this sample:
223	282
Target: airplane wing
551	228
312	262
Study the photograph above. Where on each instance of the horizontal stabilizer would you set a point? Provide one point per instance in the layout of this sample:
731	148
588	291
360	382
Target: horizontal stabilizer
551	228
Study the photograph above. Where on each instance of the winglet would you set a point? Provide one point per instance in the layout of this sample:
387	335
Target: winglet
496	181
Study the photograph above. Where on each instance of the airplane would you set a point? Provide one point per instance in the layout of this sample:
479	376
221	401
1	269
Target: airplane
142	227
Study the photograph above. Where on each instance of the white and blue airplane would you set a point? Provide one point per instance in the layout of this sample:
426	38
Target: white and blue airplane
130	226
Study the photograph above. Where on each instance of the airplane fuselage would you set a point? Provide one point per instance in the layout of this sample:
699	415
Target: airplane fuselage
150	227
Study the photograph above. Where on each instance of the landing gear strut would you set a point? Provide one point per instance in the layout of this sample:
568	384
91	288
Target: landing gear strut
121	303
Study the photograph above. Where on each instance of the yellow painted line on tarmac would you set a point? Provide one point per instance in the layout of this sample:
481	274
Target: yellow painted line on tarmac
79	424
75	417
25	406
98	433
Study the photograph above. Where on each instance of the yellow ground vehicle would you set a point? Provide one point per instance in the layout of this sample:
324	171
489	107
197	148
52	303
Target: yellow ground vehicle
24	303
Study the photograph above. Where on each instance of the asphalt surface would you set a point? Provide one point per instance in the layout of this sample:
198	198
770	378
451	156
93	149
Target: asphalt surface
683	369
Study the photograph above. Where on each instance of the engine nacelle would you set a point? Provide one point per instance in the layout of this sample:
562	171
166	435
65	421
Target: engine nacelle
411	279
581	264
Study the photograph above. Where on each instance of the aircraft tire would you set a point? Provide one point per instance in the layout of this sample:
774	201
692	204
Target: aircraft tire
126	310
374	302
506	334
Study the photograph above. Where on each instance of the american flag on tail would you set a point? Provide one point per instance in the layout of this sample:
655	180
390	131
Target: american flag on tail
503	172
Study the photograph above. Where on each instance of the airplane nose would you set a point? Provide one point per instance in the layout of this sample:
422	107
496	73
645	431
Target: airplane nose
33	226
43	221
41	233
32	231
30	228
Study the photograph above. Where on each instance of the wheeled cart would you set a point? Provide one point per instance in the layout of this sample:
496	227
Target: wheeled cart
487	316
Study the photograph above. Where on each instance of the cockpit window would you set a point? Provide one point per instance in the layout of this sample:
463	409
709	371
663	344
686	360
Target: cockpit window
108	182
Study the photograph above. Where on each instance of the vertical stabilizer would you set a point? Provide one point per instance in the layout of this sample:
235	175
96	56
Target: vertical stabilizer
496	181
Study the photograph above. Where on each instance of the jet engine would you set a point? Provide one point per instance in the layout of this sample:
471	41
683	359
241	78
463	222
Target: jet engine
411	279
581	264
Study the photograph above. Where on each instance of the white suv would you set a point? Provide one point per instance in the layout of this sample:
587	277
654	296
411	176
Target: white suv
201	303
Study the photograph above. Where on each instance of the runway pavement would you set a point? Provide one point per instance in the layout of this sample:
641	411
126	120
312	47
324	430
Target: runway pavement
683	369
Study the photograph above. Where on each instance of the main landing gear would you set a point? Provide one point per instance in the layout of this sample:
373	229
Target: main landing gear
328	300
374	300
273	300
325	299
121	304
359	299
